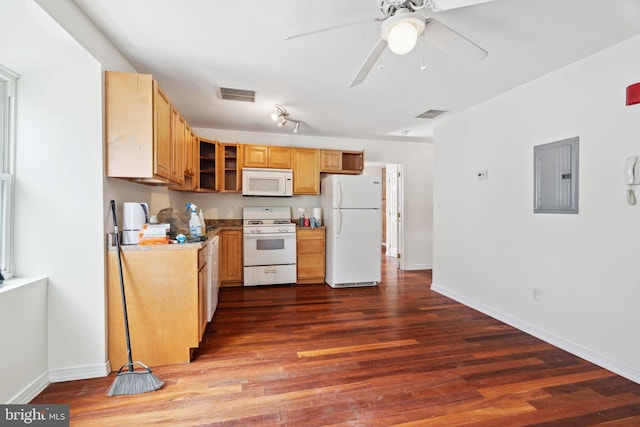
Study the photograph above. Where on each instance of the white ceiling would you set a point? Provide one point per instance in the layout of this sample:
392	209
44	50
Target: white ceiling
194	46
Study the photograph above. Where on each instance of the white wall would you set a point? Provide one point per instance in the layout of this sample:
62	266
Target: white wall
23	334
59	209
416	158
491	250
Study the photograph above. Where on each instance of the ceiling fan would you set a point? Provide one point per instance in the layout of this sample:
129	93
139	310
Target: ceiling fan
402	24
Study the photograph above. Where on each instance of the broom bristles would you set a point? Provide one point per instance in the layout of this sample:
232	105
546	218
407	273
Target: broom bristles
134	382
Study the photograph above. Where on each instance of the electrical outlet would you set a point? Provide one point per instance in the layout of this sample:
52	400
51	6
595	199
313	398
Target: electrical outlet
483	175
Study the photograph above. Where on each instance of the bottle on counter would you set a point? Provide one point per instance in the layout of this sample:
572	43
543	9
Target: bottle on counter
202	223
195	227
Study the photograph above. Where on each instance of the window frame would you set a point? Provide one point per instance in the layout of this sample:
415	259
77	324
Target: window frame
9	80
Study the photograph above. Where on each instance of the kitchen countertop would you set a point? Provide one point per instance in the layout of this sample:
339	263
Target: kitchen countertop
214	226
224	224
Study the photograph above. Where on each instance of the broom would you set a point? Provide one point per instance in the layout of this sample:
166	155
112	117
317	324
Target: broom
130	381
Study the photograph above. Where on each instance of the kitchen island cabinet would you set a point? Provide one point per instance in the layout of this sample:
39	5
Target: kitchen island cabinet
165	289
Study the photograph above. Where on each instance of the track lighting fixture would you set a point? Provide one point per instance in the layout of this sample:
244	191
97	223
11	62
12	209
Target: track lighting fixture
281	116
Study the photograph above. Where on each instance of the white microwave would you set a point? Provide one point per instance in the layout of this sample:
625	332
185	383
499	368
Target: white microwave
267	182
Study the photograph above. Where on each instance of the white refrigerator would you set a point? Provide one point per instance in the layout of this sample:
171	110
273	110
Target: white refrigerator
351	206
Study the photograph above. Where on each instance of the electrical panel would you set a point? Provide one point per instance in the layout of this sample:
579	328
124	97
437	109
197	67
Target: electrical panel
556	177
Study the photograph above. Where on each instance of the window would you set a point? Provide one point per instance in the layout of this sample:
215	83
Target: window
7	132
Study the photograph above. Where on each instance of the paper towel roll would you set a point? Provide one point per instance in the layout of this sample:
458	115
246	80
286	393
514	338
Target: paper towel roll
317	214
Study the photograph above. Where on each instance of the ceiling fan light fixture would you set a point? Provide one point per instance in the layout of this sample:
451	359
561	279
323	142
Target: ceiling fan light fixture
402	38
402	31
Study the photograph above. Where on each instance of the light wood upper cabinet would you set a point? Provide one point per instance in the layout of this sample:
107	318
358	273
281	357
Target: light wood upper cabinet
178	146
139	123
255	156
330	160
340	161
266	156
280	157
162	143
306	172
189	150
229	169
207	169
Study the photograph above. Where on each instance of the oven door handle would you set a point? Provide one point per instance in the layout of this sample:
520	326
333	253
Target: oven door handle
269	235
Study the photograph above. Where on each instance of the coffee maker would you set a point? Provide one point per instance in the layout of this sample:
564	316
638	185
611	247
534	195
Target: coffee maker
135	215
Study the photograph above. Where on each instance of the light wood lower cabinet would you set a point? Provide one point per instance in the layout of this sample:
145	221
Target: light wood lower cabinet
231	264
311	255
165	291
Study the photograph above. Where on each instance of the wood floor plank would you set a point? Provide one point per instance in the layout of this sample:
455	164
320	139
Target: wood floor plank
395	354
354	348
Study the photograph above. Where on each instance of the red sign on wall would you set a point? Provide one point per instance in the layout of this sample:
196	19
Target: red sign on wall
633	94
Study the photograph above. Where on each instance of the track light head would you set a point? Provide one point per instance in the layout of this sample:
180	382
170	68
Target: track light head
281	116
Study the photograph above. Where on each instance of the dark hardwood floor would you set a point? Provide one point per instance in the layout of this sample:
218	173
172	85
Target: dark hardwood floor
396	354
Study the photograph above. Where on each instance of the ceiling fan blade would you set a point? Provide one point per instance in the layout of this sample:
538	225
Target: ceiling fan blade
335	27
452	42
440	5
368	63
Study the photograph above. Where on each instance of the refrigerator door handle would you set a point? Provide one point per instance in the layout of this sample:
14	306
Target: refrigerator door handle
339	195
339	224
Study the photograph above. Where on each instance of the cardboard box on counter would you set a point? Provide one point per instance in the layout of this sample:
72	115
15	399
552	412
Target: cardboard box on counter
154	234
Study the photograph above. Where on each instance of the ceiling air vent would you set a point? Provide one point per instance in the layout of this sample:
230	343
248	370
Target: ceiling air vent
237	94
430	114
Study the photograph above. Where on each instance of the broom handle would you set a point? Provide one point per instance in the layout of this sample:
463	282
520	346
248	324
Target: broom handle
124	301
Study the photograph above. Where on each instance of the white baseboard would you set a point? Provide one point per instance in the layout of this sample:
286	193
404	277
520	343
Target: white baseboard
418	267
59	375
545	336
31	391
80	372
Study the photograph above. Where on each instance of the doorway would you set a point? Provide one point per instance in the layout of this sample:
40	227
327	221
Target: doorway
392	202
393	212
